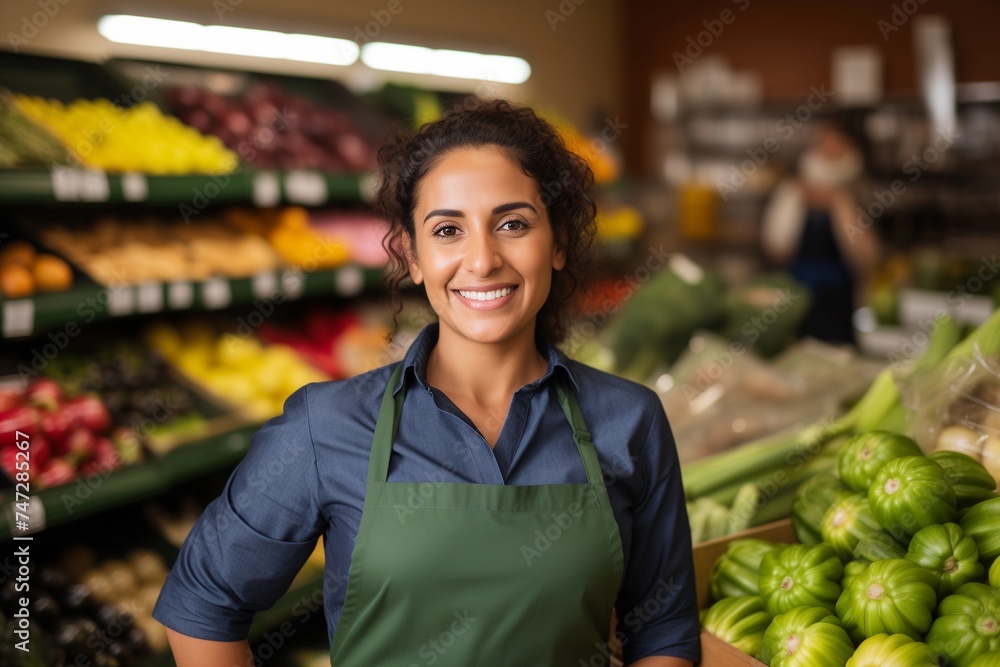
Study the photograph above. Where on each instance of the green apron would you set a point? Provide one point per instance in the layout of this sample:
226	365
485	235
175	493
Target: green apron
479	574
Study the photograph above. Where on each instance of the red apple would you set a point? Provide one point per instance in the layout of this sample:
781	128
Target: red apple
56	472
89	411
44	392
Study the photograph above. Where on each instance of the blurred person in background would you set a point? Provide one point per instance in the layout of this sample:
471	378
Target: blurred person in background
810	228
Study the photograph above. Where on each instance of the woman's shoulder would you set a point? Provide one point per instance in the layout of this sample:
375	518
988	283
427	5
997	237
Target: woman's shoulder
369	385
611	389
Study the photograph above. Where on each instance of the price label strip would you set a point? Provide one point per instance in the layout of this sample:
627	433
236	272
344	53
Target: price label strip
94	185
121	301
215	292
264	284
305	187
134	187
266	189
293	283
180	294
348	281
150	297
18	318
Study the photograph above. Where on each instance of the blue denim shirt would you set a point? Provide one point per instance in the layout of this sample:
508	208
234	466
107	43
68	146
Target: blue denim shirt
304	477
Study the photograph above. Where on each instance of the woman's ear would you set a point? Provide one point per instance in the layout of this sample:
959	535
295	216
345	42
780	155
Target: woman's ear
559	252
559	258
416	275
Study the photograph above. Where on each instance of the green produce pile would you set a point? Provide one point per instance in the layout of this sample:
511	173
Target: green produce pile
23	143
898	553
898	574
756	483
656	324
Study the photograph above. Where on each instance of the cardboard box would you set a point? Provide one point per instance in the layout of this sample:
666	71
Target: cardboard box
714	651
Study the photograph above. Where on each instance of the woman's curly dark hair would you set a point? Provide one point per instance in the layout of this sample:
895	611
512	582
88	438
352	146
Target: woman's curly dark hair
565	181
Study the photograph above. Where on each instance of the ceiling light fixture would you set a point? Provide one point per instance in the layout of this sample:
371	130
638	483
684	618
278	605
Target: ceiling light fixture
165	33
444	62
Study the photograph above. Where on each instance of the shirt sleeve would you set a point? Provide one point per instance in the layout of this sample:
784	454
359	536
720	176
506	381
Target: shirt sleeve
251	541
657	605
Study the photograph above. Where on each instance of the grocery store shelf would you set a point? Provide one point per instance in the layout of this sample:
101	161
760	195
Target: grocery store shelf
84	303
95	493
190	193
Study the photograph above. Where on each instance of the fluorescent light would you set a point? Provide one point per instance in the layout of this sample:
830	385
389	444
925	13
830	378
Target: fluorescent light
441	62
165	33
146	31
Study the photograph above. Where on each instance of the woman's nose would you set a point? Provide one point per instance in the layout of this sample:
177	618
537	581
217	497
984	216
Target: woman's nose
482	255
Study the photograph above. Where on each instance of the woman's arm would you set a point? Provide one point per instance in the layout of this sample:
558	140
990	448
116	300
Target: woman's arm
657	661
192	652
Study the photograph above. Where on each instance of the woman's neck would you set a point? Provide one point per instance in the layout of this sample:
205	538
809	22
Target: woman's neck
487	373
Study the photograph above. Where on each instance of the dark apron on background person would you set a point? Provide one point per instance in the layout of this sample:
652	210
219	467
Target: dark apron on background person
820	266
479	574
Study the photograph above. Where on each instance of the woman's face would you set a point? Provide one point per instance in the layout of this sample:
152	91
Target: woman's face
484	247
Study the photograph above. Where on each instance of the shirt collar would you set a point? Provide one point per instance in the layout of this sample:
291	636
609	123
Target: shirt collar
415	361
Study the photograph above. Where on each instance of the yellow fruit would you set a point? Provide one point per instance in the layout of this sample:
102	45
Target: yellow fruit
237	351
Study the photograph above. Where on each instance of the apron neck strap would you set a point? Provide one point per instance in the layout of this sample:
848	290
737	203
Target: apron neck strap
392	407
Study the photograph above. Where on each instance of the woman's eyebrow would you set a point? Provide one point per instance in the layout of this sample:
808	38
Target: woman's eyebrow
502	208
447	212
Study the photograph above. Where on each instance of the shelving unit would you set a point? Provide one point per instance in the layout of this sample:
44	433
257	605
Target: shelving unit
90	495
64	185
86	303
38	194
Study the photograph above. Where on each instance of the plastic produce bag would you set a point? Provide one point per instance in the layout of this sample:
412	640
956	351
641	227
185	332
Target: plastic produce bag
956	406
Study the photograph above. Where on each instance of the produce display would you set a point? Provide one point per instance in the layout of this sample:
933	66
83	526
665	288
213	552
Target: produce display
892	651
116	251
780	464
25	271
23	144
137	387
341	344
89	612
105	136
253	378
271	129
288	231
68	435
120	251
896	572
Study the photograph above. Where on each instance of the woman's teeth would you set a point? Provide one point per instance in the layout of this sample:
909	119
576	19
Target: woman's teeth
487	296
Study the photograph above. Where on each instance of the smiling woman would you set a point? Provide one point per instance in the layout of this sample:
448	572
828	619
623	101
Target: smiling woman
556	493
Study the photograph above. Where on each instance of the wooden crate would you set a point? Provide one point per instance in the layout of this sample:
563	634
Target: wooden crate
714	651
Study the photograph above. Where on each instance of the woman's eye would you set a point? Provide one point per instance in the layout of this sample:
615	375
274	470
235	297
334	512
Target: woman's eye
446	230
514	224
